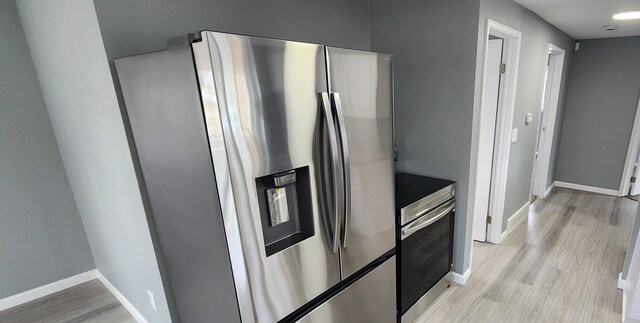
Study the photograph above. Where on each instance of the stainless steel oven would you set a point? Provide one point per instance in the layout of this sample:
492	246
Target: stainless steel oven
425	250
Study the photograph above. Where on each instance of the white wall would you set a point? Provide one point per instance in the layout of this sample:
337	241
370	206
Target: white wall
72	67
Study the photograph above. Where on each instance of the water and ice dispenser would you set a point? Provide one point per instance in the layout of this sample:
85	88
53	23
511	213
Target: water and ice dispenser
285	208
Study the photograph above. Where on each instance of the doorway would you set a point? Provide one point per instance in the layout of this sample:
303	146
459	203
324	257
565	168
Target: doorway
634	189
541	185
629	183
501	56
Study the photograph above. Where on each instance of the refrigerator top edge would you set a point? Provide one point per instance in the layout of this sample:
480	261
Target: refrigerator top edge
189	39
286	40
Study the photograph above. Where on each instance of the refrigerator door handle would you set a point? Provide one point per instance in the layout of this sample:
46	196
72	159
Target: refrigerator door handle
338	189
346	218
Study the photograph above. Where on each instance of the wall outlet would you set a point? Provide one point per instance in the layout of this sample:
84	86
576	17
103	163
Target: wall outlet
152	300
514	135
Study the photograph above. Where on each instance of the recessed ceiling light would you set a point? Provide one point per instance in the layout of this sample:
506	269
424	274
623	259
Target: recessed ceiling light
610	27
627	15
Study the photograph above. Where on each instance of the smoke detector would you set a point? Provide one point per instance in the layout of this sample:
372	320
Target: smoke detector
610	27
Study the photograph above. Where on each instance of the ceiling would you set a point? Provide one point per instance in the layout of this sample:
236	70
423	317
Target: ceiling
584	19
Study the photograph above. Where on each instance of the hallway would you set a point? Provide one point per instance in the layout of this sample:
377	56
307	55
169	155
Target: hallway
561	265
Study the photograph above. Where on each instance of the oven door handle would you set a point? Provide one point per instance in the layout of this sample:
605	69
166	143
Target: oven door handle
427	220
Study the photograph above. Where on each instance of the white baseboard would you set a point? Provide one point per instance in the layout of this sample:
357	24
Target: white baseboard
123	300
65	283
624	284
549	189
461	279
47	289
587	188
515	220
517	217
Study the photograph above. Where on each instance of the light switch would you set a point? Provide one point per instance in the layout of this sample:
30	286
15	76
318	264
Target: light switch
514	135
528	119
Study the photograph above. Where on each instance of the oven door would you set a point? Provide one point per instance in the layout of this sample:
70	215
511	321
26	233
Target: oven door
425	253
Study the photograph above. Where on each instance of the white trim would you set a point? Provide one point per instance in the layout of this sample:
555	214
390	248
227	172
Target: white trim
48	289
548	125
504	123
514	221
65	283
624	284
549	189
632	153
461	279
587	188
123	300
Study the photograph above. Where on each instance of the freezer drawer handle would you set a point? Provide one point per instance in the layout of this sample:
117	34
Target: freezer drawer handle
338	189
346	167
427	220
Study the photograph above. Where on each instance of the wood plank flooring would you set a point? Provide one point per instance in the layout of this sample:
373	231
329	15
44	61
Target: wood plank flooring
561	265
88	302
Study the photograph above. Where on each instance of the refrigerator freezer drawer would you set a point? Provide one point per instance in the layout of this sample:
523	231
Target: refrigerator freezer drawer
370	299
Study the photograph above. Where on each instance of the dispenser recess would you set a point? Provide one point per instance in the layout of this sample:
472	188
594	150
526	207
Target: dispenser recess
285	208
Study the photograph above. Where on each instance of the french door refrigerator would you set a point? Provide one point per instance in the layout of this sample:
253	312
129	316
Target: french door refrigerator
280	154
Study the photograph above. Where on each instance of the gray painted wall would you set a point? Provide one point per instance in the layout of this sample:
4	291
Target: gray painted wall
69	57
41	235
603	96
434	45
536	35
86	116
135	27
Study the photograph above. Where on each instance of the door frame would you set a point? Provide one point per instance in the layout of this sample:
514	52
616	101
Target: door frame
632	153
548	120
504	123
487	136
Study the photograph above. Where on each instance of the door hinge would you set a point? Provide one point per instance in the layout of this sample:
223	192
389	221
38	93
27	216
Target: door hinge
488	219
633	179
503	68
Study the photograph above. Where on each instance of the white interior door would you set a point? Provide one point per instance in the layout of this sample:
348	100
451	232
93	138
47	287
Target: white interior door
488	114
548	113
542	129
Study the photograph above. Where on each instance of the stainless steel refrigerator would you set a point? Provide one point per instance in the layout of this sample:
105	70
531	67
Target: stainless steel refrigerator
268	167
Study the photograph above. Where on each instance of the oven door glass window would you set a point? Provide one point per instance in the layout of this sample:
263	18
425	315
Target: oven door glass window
425	259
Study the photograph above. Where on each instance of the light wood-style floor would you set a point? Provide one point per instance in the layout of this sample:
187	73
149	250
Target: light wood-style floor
88	302
561	265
